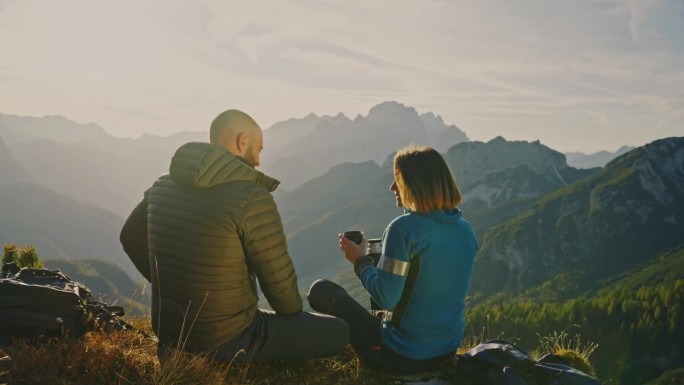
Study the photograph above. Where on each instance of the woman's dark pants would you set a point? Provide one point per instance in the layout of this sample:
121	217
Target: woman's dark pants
364	331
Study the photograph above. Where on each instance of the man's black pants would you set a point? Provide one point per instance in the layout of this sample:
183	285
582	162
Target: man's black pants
272	336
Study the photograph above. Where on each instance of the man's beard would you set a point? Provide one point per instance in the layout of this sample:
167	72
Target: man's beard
249	156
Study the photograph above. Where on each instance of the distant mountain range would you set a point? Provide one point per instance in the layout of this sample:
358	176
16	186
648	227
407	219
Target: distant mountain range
58	226
298	150
108	172
597	159
18	129
82	163
499	179
107	282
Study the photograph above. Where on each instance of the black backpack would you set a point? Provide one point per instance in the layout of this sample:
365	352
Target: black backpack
502	363
46	303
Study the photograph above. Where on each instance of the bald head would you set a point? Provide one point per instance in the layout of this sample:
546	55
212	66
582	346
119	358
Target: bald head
238	133
231	122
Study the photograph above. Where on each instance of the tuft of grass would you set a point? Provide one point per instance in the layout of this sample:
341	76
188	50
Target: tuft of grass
179	367
475	338
570	348
577	361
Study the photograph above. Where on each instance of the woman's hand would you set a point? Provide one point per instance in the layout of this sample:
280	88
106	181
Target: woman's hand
351	250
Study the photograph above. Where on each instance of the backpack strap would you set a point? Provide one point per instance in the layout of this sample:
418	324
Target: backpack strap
107	316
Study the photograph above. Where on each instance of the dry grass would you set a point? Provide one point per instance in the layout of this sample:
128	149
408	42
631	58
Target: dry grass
125	357
97	358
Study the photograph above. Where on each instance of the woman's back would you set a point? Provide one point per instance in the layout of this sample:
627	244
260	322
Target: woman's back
422	275
440	247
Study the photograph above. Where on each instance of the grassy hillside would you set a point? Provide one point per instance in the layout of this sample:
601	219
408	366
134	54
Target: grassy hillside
596	227
127	357
637	313
674	376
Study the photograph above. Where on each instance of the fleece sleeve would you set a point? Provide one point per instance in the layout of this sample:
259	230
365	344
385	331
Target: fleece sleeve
385	283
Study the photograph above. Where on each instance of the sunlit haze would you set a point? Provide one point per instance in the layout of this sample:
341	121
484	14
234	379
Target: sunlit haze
577	75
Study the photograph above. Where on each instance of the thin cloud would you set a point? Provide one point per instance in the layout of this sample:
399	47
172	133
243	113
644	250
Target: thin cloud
488	66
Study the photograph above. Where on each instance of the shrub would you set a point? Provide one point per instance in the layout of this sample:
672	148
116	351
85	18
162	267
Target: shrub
23	257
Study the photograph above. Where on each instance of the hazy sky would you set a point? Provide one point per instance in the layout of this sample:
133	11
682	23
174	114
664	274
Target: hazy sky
578	75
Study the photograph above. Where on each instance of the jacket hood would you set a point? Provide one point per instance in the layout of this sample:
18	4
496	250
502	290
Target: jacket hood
204	165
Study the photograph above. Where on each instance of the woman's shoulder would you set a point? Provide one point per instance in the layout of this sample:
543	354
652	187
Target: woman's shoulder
409	223
421	221
404	219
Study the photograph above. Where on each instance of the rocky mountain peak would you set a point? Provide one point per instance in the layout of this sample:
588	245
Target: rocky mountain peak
442	136
472	158
394	114
661	172
316	144
620	216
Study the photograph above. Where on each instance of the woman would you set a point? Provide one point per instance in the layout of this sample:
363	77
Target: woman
421	277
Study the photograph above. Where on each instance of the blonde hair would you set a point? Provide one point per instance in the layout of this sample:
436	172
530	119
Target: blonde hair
424	180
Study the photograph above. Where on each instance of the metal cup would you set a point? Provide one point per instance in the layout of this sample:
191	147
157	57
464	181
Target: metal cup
374	247
354	235
375	251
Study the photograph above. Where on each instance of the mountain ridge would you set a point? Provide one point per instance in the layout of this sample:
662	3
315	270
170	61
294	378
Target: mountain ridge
597	159
363	189
53	127
118	170
58	226
317	144
525	249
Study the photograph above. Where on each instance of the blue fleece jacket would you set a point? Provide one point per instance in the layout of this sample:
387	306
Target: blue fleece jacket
422	277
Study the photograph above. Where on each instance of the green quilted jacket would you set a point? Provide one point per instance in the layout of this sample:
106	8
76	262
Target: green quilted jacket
213	230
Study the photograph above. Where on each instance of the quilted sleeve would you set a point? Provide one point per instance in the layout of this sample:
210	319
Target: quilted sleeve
266	252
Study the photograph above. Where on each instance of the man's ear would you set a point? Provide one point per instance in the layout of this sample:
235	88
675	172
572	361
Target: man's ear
241	143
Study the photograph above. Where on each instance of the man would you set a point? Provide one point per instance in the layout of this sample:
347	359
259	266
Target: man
203	235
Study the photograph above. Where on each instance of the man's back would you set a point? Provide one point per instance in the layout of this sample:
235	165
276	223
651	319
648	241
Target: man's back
204	235
213	227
